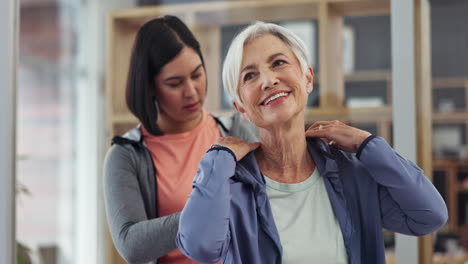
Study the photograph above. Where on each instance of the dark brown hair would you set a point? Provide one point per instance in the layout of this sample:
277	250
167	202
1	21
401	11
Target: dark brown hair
157	42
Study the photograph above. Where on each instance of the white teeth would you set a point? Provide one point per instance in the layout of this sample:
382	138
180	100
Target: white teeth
274	97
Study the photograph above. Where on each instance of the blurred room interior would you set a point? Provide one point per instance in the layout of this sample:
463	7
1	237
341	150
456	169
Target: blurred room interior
70	80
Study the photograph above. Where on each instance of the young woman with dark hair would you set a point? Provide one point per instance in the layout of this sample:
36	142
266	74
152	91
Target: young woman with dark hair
148	172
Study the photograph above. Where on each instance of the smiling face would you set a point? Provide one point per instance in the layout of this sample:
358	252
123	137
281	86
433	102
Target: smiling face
180	92
272	86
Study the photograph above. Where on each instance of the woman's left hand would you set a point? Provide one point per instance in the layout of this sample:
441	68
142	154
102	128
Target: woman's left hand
338	134
239	147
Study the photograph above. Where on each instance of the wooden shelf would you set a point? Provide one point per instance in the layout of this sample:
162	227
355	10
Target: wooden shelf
224	13
451	167
368	114
452	117
444	259
446	162
362	8
124	119
221	13
365	76
449	83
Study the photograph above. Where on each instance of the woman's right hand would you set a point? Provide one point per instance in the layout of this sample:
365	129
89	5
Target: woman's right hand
239	147
338	134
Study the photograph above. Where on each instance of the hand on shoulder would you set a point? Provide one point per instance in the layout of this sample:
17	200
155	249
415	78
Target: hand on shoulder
338	134
240	148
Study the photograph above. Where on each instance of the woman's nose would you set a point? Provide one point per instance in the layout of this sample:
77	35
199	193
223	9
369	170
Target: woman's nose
190	89
269	79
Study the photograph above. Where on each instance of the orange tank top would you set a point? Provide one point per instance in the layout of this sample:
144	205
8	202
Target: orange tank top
176	158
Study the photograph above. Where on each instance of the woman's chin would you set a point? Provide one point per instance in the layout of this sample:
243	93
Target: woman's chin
278	119
192	116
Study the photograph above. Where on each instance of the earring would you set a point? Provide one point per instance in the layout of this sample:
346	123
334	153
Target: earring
156	105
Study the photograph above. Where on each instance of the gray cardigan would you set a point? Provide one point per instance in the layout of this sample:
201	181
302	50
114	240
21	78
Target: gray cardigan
139	235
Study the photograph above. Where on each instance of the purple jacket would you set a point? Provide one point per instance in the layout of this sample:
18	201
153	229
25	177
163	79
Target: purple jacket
228	214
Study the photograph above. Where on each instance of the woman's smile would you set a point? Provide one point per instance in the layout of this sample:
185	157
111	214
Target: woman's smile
275	98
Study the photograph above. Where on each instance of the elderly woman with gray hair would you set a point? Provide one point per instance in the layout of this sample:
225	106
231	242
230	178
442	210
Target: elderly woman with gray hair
293	197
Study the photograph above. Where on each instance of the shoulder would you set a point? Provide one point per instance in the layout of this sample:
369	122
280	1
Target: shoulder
120	156
125	150
235	125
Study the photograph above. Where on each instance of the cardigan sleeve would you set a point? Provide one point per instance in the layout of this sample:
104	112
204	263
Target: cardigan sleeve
409	202
204	222
136	238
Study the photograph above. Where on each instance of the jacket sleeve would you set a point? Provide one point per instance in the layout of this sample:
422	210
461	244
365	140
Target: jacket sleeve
409	202
137	238
204	222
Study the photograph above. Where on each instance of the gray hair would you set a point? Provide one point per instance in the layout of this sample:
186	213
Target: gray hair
233	60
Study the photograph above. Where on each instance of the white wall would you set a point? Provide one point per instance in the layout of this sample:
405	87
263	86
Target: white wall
8	25
404	103
91	239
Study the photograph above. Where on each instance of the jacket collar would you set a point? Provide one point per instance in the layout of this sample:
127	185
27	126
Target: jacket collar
134	134
248	172
323	156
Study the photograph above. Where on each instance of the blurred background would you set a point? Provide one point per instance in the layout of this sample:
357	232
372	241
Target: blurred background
69	103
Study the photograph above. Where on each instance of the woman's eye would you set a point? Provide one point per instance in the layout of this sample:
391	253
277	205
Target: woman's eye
248	76
278	63
196	76
174	84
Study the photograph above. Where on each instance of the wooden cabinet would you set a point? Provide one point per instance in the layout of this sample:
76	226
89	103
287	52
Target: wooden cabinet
454	173
450	113
451	164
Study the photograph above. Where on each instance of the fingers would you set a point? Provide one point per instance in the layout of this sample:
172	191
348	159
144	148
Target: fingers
230	140
327	130
319	124
324	125
323	134
338	134
320	129
253	145
239	147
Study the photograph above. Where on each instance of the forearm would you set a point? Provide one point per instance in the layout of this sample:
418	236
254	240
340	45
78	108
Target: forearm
204	222
146	240
137	238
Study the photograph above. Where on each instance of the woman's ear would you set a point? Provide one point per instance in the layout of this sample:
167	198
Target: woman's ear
309	79
240	109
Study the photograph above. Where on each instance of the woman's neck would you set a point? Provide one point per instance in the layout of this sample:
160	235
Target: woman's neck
170	126
283	154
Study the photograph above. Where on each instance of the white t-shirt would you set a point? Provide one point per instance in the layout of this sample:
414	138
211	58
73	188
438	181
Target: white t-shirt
308	228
